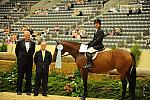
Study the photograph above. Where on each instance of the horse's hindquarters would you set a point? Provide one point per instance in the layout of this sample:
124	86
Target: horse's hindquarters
103	62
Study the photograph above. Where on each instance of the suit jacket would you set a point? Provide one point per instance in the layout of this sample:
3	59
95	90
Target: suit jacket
97	42
22	55
21	49
40	64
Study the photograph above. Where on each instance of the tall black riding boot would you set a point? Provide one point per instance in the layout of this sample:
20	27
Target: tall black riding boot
89	60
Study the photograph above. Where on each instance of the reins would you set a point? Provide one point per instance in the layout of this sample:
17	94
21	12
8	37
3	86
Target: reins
65	55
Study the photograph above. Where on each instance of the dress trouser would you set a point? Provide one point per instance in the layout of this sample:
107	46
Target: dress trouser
24	67
41	79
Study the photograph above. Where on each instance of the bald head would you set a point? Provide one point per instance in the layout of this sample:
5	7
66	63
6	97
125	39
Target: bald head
43	45
27	35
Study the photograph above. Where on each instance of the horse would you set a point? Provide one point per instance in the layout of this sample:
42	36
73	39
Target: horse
120	59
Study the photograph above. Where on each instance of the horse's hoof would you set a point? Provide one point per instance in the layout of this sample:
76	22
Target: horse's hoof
123	98
83	98
131	98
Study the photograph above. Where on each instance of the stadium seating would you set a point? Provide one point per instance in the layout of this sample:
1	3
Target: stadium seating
135	28
63	18
6	10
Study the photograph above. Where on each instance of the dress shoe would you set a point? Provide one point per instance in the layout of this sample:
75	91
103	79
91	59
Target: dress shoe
44	94
35	94
28	93
19	93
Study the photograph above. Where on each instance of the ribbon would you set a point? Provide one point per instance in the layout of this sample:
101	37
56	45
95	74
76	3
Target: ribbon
58	58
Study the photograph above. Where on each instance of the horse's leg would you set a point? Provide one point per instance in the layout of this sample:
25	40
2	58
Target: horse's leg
85	77
132	83
124	87
131	76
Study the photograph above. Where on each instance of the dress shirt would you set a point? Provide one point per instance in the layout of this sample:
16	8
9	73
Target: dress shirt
27	45
43	54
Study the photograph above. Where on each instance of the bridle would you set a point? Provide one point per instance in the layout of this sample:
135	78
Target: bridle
65	55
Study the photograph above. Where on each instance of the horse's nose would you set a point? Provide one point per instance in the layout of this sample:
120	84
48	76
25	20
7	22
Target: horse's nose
53	60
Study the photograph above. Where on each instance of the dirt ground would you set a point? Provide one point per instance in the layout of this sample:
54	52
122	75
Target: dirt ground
14	96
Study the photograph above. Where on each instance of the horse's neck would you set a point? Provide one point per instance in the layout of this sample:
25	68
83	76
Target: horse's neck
73	51
74	54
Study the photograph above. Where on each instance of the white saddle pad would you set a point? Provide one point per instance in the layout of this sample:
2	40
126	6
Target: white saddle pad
94	55
83	48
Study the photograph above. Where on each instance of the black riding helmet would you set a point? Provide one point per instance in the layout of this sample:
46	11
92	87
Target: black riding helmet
97	21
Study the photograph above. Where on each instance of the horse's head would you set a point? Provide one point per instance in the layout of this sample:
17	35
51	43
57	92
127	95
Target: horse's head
71	47
55	52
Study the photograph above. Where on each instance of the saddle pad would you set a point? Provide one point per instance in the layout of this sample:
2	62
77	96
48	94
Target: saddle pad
83	48
94	55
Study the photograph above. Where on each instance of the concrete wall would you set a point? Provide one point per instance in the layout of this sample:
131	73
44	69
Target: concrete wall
11	48
10	54
144	61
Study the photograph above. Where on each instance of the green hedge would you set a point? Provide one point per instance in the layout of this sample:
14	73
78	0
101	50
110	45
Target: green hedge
136	50
3	47
105	88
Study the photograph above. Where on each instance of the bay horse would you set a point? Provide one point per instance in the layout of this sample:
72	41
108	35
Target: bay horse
121	60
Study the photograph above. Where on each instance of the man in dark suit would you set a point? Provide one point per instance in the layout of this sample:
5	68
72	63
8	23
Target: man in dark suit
25	49
96	44
42	60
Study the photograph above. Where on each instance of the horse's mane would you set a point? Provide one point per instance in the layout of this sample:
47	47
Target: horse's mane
76	45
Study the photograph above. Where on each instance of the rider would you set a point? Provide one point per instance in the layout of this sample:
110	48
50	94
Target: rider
96	44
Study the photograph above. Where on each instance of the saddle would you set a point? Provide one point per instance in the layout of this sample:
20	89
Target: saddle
94	54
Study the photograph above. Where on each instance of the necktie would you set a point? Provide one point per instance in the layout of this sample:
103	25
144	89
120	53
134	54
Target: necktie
43	54
26	40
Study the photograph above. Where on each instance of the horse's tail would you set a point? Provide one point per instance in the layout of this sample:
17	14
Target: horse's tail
133	66
132	77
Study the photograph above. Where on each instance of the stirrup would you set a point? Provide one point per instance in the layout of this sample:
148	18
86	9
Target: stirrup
88	67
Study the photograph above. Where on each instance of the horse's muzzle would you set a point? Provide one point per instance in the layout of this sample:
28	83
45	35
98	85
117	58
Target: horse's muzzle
53	60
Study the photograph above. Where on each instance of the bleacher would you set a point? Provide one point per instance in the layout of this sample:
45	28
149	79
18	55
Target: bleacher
135	28
6	10
63	19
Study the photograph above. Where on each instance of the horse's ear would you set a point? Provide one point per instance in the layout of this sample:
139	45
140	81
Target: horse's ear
58	42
